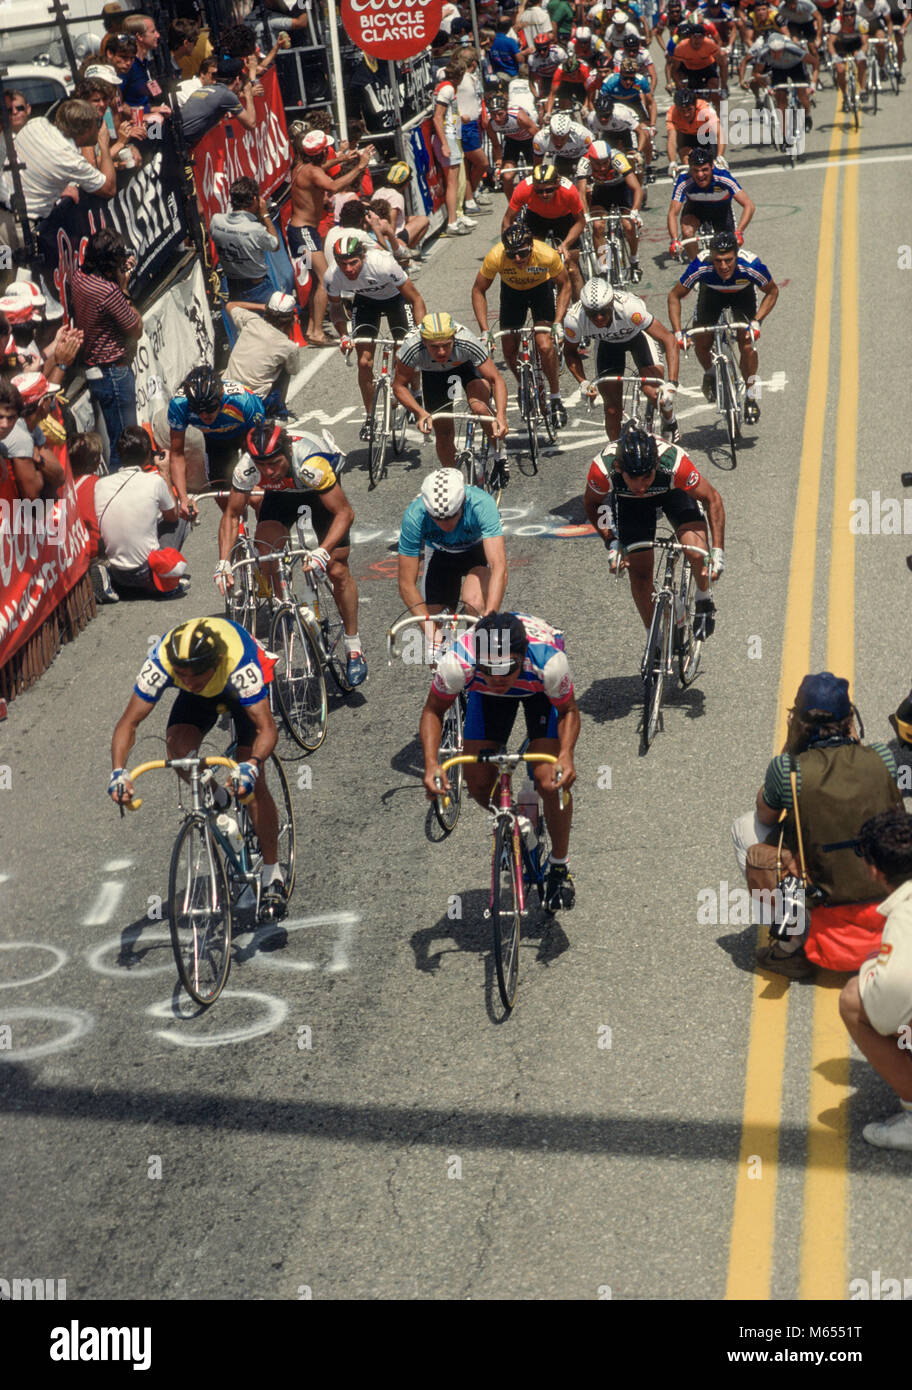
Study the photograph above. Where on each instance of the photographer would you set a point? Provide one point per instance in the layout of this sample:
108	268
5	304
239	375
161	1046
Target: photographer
838	783
110	325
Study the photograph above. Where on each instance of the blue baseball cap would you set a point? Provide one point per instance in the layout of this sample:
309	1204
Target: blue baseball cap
826	694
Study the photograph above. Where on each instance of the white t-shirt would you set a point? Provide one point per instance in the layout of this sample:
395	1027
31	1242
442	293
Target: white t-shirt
397	205
445	96
885	980
535	20
380	278
521	94
468	96
51	162
128	505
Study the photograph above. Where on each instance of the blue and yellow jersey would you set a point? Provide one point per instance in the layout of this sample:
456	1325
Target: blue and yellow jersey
242	675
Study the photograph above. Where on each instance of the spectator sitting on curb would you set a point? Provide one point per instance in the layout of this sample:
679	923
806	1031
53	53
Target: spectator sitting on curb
409	229
139	524
265	354
876	1006
35	474
242	238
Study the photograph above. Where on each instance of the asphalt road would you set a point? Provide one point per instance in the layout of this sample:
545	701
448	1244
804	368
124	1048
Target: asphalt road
354	1117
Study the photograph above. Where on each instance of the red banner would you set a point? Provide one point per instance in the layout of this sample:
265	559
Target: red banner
229	152
44	551
392	28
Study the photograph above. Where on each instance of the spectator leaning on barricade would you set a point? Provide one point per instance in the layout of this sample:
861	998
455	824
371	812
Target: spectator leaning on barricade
230	95
876	1006
242	238
140	86
49	152
110	324
836	782
139	524
35	473
39	414
100	86
183	36
265	350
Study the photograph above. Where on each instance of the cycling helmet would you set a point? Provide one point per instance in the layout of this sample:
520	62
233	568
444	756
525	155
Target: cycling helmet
685	96
348	248
195	645
443	493
497	102
571	63
543	41
684	30
599	152
697	29
203	389
545	176
674	6
604	104
597	296
848	8
628	68
267	440
631	41
583	35
723	243
559	125
500	643
699	156
436	328
637	452
777	44
516	239
398	173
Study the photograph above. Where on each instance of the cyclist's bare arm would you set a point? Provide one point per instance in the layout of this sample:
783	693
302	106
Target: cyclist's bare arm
409	592
267	735
574	363
479	302
125	732
178	465
676	294
403	381
595	505
563	296
705	492
488	371
343	516
231	516
337	314
412	295
496	555
568	731
429	729
748	209
669	345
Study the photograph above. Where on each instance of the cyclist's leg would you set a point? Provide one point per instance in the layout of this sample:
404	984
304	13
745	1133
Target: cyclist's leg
478	393
278	514
709	309
514	306
345	590
541	726
438	394
690	528
636	522
477	578
610	362
541	301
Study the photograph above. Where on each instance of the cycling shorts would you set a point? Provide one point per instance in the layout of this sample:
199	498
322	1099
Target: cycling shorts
779	77
516	304
851	43
719	215
491	717
710	303
808	32
555	228
700	77
612	357
515	150
367	313
201	713
284	505
445	571
435	386
611	195
636	518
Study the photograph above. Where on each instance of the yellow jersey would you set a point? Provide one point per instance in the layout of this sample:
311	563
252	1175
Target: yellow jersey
544	264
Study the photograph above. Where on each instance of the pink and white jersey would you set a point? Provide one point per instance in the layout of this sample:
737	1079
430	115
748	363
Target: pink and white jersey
544	671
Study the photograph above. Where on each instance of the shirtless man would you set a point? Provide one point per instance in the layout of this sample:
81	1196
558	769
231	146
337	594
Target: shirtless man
309	186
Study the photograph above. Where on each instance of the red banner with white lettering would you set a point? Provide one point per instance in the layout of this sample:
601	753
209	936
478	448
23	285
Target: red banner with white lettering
392	28
229	152
44	551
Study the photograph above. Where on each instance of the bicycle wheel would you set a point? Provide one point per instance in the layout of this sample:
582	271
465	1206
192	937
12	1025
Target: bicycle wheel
893	69
378	438
543	397
298	681
654	669
199	913
505	916
543	851
241	601
616	274
332	630
874	85
450	745
690	648
729	408
527	410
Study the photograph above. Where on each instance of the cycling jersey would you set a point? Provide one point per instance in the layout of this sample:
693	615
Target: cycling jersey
545	670
858	29
789	57
618	169
749	270
875	15
770	24
511	128
722	22
239	412
565	203
697	59
241	675
546	64
622	119
576	143
466	348
630	317
480	519
641	58
380	277
616	33
579	78
633	94
595	49
704	116
721	189
311	468
675	470
797	12
544	264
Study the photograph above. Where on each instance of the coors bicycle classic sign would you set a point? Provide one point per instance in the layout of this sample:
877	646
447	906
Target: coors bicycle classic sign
392	28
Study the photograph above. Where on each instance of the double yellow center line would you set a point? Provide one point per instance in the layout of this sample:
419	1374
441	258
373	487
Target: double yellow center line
823	1261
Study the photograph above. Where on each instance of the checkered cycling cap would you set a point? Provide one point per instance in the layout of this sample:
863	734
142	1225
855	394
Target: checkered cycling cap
443	492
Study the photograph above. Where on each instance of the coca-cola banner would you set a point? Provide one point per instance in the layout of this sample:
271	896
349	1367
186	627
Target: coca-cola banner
229	152
392	28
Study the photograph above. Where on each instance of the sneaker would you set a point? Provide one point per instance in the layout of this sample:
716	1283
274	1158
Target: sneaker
274	902
704	619
356	670
101	584
709	386
636	274
456	229
751	411
467	223
895	1133
559	889
560	414
794	965
483	197
809	122
477	209
364	433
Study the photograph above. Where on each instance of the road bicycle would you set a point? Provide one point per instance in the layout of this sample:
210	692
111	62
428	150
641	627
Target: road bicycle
250	591
214	863
877	78
636	404
730	388
891	69
431	637
852	103
476	459
588	256
698	244
388	419
534	394
793	122
519	860
614	256
671	640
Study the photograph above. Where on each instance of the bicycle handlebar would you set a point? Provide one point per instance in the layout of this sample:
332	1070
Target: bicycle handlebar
438	619
666	543
179	764
503	761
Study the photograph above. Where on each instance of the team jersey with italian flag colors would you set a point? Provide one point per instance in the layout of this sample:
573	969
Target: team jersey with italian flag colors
242	674
630	318
675	470
545	670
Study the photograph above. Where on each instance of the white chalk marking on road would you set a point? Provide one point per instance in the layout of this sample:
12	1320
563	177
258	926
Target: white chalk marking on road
61	959
5	878
76	1022
813	165
341	944
102	910
116	866
94	957
319	417
275	1013
301	378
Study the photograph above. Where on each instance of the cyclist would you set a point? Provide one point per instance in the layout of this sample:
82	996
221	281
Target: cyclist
627	483
445	353
620	323
296	471
511	130
722	19
569	85
544	62
849	34
699	61
561	142
223	411
629	86
901	16
526	268
805	25
613	184
631	50
460	529
785	59
217	667
760	22
691	123
505	660
620	125
379	286
620	26
669	20
552	210
705	192
879	20
728	278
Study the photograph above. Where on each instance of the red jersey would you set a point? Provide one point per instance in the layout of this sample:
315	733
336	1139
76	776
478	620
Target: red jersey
566	201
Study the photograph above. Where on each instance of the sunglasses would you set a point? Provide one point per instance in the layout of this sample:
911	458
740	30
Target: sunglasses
18	106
